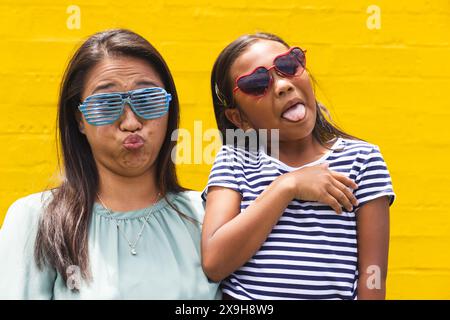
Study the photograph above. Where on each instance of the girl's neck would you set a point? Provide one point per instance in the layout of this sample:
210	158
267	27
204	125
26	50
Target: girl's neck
300	152
121	193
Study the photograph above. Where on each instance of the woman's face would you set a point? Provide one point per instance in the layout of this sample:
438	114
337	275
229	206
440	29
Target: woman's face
129	146
281	106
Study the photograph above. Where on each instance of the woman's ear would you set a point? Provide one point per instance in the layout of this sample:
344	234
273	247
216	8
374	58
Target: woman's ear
80	123
237	118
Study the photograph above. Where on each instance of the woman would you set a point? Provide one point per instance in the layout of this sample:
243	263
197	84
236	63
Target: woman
119	226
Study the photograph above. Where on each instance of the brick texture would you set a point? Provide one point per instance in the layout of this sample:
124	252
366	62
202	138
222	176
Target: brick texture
388	86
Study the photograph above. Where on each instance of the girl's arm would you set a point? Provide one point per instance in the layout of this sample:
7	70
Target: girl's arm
230	239
373	246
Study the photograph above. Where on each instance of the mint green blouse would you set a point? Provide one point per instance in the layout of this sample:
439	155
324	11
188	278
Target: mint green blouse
167	264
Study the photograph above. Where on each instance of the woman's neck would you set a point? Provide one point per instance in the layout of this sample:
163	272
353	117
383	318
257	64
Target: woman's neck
120	193
300	152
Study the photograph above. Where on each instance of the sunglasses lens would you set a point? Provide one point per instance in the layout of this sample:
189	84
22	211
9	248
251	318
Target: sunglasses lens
289	64
150	103
299	55
101	109
256	83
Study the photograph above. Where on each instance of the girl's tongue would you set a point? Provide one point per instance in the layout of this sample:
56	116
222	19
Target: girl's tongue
295	113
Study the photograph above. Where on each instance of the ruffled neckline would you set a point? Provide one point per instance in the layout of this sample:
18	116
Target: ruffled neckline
98	209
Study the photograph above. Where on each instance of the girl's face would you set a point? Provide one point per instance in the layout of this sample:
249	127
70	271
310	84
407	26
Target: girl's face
130	145
289	103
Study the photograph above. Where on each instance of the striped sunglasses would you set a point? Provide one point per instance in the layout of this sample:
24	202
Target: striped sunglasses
105	108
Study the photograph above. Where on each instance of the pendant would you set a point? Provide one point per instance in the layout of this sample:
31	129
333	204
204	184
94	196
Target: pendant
133	251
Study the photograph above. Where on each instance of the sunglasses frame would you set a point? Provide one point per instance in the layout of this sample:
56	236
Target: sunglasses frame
236	87
125	96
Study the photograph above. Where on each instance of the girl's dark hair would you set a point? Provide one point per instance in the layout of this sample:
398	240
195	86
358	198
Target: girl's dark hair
62	237
222	89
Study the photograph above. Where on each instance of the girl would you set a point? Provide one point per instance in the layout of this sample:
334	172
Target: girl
269	228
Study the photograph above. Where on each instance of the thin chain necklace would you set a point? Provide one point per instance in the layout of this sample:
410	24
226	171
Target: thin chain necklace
130	244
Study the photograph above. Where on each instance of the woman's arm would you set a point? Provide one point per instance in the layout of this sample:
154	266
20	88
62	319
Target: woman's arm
230	239
373	247
20	278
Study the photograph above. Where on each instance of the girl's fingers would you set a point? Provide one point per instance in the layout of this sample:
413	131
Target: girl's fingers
344	180
332	202
340	197
350	196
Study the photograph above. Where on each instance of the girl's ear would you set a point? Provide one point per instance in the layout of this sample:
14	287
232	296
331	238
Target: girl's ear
237	118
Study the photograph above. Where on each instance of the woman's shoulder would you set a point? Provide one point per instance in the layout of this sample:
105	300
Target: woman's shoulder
190	203
26	211
32	202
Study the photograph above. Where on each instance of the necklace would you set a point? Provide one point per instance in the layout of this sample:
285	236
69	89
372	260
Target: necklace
130	244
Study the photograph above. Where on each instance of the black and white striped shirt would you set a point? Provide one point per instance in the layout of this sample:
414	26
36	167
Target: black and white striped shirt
311	253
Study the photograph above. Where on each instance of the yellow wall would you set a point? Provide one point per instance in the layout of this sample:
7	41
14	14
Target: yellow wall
388	85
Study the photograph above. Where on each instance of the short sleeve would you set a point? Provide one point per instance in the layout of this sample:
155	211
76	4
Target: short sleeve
20	277
225	171
373	178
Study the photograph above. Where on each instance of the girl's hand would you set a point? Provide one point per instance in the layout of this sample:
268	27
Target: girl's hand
318	183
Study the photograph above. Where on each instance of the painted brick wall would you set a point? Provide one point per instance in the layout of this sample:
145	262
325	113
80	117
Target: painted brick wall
384	77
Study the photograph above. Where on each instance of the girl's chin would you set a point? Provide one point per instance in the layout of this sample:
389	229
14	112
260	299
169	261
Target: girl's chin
294	134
